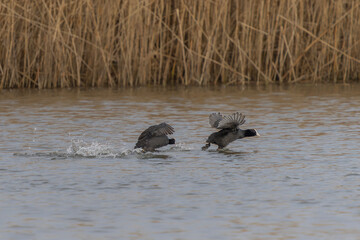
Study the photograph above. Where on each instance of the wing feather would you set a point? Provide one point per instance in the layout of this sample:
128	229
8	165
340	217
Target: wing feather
157	130
231	121
214	119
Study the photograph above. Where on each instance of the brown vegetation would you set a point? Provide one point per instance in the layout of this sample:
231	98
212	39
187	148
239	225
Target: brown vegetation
75	43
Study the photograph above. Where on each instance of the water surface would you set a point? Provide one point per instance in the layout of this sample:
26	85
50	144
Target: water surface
68	169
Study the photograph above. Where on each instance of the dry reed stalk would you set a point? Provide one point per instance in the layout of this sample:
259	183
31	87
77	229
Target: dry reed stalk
87	43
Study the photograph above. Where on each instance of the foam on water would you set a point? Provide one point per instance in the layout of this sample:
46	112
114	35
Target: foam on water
80	147
182	147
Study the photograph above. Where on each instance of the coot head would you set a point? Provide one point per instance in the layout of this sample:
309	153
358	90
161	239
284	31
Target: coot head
251	133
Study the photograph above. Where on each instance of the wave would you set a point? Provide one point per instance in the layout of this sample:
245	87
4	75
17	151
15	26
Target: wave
80	148
182	147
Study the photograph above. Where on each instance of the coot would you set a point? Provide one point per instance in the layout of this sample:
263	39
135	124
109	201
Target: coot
229	129
155	137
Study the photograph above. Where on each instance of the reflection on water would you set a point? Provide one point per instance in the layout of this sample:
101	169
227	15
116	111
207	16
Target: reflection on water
68	169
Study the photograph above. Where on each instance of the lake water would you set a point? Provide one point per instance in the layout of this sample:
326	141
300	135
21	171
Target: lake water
68	169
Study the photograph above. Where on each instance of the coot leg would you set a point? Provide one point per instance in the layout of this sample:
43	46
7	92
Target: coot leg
206	146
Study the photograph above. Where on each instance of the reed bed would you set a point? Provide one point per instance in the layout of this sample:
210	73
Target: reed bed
97	43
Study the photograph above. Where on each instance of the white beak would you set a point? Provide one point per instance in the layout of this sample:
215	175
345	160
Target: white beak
257	134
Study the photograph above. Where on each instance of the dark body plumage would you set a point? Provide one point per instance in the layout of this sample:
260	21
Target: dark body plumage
155	137
229	129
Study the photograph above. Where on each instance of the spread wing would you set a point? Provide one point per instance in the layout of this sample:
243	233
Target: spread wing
214	119
157	130
231	121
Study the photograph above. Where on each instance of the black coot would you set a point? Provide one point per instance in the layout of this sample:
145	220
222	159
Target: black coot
229	129
155	137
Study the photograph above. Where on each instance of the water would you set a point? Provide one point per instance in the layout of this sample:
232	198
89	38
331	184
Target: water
68	169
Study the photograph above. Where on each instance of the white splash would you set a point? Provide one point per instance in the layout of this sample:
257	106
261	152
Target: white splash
182	147
82	148
126	152
94	149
